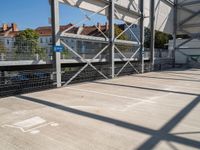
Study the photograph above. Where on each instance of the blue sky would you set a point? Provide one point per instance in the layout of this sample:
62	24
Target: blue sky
34	13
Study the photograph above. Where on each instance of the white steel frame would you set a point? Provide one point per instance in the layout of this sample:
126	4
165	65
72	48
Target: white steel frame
111	40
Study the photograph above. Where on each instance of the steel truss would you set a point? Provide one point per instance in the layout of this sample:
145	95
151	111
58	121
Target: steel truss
184	24
110	41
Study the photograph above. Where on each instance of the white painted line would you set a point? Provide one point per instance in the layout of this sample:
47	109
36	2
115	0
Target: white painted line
128	107
29	130
114	95
172	86
35	132
30	122
132	105
159	97
31	125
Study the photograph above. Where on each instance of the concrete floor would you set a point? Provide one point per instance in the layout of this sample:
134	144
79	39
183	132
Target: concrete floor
151	111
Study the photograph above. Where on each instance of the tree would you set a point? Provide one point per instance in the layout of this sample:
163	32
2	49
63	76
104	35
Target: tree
118	31
160	38
27	42
147	37
2	48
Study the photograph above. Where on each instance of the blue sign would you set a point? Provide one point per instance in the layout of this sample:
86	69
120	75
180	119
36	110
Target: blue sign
58	48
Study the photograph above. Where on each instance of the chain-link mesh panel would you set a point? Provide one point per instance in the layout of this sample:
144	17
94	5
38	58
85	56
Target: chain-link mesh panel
18	49
18	82
88	74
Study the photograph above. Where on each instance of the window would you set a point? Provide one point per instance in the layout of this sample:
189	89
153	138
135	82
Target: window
8	42
41	40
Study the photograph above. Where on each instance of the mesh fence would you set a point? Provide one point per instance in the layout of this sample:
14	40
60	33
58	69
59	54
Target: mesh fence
18	82
25	81
14	49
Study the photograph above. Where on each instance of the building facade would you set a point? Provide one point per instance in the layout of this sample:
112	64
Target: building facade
8	37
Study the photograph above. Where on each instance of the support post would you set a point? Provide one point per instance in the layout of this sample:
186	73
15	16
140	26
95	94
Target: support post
55	40
152	28
174	33
141	5
112	37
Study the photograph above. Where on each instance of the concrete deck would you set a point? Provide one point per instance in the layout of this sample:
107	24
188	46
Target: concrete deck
151	111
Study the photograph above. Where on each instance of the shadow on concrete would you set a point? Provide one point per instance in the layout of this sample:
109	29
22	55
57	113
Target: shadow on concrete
198	132
145	88
171	124
156	135
172	146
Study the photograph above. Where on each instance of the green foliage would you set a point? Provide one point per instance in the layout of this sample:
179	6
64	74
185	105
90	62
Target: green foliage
27	42
28	34
147	38
118	31
65	54
160	39
2	48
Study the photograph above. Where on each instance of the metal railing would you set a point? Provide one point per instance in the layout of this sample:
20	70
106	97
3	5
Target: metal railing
17	82
13	50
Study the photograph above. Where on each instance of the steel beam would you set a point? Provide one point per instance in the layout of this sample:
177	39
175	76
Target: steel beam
141	6
96	39
102	2
190	3
169	2
191	25
88	62
186	9
189	18
183	43
152	28
112	36
55	41
174	32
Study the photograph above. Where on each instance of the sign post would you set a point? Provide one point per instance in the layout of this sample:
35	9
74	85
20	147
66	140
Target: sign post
56	41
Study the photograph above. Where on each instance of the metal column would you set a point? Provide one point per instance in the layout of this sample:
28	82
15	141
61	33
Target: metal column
112	37
152	28
141	6
55	40
174	32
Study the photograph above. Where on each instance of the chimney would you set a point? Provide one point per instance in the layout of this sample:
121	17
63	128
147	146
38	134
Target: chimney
83	25
5	27
107	26
14	27
99	25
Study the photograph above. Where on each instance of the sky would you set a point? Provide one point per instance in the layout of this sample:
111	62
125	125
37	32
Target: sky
35	13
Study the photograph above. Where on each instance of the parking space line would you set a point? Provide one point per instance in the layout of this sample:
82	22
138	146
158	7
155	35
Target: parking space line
108	94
